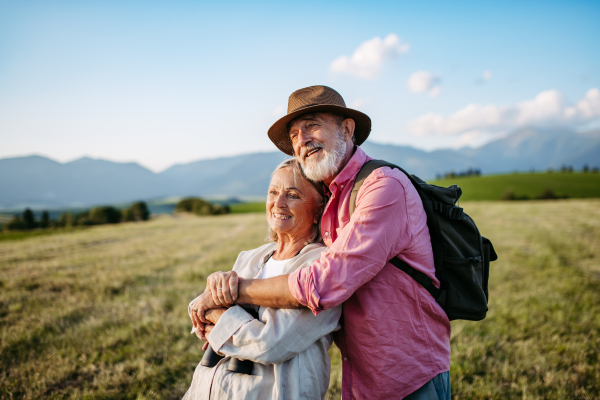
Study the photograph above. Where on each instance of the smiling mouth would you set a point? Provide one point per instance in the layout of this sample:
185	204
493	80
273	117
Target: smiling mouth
281	216
313	151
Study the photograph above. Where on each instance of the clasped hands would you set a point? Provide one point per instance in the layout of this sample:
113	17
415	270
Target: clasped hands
205	310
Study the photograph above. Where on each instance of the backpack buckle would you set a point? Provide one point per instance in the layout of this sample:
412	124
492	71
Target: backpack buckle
455	212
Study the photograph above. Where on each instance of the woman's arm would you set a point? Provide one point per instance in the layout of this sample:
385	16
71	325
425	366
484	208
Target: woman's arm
277	337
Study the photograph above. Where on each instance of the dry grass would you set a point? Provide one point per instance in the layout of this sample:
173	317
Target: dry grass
101	313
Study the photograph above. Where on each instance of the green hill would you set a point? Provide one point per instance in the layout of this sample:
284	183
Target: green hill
492	187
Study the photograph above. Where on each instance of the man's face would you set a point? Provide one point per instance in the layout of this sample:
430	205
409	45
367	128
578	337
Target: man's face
319	145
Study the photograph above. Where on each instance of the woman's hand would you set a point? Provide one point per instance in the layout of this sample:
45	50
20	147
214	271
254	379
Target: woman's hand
213	316
224	287
198	307
202	336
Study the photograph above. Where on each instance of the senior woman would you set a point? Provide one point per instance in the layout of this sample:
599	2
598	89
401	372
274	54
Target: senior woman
288	346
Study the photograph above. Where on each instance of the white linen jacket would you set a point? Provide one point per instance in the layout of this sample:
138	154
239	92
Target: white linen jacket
289	346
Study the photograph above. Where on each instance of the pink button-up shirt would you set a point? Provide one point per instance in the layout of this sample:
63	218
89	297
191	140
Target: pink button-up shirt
395	337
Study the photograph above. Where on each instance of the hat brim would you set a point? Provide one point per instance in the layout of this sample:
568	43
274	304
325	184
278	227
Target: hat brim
278	132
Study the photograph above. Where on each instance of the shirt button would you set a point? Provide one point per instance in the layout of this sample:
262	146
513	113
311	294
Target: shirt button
345	358
326	233
342	186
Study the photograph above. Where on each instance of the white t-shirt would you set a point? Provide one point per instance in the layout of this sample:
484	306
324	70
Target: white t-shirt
273	268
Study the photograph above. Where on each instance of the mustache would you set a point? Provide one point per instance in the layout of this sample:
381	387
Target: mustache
311	146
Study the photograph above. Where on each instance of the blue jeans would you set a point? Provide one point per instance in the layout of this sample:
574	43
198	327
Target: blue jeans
436	389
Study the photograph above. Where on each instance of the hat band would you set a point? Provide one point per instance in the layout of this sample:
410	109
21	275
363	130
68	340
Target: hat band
313	105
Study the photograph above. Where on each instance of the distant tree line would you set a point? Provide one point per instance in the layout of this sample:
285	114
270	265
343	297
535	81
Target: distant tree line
198	206
462	174
567	169
138	211
547	194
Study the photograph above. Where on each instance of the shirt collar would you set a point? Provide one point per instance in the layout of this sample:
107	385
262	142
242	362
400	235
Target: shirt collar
351	169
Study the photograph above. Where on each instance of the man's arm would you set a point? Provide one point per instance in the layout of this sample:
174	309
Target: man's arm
378	230
226	287
272	292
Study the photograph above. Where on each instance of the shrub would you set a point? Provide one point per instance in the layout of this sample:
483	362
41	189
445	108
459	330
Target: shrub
83	219
549	194
199	206
104	215
16	224
509	194
66	220
126	215
139	211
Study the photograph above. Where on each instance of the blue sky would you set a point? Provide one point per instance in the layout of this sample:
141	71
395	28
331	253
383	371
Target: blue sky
160	82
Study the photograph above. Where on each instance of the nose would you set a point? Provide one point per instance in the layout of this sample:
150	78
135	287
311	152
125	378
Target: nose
280	201
304	137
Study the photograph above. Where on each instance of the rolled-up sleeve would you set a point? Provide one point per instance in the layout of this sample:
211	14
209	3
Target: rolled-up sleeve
279	335
377	231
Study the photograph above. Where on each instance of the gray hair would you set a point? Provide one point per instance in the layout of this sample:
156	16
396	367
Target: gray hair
299	175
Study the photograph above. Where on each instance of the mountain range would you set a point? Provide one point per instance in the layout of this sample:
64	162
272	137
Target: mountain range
39	182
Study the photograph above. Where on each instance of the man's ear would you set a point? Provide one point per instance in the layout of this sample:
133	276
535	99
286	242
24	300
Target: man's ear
348	127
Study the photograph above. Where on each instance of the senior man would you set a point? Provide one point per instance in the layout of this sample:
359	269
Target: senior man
395	340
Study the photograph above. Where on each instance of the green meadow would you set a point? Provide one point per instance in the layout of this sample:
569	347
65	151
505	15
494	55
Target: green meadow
242	208
493	187
101	313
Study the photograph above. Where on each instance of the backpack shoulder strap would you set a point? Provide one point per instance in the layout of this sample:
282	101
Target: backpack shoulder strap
364	172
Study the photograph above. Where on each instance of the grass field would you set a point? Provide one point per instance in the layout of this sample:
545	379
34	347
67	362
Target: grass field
242	208
101	313
492	187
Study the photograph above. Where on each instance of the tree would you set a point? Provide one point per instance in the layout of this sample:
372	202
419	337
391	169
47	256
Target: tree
83	218
15	224
185	205
139	210
45	221
126	215
104	215
199	206
29	219
66	219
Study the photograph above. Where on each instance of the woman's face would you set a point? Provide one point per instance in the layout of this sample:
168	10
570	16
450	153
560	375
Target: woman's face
291	204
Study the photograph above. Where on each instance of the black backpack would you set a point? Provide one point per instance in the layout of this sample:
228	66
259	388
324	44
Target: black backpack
461	255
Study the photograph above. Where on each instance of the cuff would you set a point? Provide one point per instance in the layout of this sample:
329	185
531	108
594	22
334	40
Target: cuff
303	289
229	323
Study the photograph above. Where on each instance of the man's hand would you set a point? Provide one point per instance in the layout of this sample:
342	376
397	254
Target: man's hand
224	287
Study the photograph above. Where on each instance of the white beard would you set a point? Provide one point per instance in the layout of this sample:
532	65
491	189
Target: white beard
330	164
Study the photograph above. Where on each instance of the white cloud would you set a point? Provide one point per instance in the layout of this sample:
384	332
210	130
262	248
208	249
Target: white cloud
547	108
367	60
357	103
423	81
278	111
586	108
485	76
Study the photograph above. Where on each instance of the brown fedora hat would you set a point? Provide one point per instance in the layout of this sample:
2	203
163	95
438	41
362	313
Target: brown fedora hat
315	99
